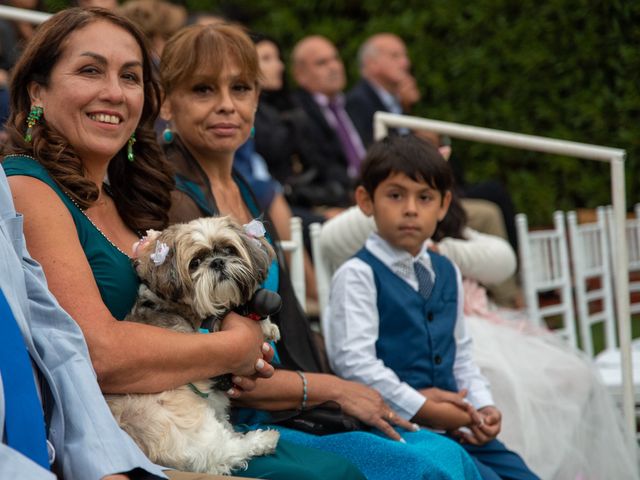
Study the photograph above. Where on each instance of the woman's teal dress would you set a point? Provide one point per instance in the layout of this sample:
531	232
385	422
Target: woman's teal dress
118	285
425	455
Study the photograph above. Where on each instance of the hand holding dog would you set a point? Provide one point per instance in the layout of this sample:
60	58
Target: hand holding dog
253	358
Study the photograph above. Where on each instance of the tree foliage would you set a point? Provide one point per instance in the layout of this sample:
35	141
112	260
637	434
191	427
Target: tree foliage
567	69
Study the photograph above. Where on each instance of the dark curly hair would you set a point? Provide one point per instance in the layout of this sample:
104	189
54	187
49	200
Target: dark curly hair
141	189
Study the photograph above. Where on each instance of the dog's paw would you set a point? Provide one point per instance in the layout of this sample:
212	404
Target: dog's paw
270	331
263	442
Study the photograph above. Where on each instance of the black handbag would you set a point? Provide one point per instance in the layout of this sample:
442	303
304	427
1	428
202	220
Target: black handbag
323	419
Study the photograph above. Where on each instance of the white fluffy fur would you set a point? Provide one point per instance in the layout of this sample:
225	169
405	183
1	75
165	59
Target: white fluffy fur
177	428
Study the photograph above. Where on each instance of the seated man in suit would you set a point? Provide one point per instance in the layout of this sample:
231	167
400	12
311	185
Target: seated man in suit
333	149
386	82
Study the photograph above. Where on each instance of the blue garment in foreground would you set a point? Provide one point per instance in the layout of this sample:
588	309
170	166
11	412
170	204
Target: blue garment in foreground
425	456
24	420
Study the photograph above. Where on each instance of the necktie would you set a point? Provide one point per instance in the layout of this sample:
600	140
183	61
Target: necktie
24	420
349	149
425	283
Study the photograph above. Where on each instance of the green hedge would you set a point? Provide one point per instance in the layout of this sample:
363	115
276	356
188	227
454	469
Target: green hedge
567	69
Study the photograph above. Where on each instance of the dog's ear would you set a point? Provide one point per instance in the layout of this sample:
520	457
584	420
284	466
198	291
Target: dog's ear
158	266
261	254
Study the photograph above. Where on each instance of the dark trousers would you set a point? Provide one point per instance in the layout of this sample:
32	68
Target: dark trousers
496	462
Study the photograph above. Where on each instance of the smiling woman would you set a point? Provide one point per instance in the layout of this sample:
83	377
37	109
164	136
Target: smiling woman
86	172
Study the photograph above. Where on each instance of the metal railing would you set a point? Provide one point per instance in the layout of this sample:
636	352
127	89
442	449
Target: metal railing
22	15
614	156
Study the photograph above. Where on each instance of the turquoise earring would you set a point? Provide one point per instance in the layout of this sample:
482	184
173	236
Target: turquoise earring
32	120
132	140
167	135
253	132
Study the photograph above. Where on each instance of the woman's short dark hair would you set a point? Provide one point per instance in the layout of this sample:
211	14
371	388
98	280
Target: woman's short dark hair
141	189
408	154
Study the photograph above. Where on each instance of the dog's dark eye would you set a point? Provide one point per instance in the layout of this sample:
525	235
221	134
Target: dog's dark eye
195	263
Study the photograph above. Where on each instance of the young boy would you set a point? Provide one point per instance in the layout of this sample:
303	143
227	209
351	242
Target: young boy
395	320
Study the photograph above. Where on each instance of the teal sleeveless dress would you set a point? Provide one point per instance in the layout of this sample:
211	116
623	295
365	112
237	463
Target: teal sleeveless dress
118	285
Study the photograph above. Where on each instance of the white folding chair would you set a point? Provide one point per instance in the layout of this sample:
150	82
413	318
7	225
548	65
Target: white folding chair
544	267
322	269
295	247
633	245
632	231
590	259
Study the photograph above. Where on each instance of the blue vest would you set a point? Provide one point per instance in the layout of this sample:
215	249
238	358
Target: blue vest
416	336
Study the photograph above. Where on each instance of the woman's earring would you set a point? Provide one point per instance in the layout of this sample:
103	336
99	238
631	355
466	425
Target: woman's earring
167	135
132	140
253	132
32	120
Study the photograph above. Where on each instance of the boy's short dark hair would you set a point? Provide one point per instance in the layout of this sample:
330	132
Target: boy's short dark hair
408	154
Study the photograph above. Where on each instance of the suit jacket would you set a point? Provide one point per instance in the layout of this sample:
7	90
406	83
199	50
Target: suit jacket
87	441
321	154
362	102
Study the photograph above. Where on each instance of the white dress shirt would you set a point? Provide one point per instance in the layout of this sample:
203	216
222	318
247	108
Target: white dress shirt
351	325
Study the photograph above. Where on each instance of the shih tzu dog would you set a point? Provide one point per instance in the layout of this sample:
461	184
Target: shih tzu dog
192	275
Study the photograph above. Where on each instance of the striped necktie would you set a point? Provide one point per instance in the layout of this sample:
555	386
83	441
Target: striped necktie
425	283
24	420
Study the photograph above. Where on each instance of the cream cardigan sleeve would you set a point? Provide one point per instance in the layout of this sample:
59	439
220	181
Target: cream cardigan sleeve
485	258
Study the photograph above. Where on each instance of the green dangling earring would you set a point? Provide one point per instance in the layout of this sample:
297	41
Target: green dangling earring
132	140
32	120
167	135
253	132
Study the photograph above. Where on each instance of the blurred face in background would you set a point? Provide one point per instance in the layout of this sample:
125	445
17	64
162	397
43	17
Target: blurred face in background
387	63
270	64
318	67
108	4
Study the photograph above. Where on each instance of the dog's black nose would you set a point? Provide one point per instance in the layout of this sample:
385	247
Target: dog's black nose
217	264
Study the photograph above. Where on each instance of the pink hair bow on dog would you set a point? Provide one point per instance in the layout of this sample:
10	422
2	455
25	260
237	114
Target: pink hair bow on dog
255	229
161	251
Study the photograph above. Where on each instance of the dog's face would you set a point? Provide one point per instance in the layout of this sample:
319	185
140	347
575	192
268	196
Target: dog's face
209	264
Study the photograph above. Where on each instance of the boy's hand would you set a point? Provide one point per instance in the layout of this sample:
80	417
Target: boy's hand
486	430
439	395
443	415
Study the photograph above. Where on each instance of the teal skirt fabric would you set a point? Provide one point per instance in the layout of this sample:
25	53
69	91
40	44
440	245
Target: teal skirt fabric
426	455
298	462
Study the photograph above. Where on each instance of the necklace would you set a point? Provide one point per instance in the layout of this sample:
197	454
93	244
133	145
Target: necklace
107	190
95	226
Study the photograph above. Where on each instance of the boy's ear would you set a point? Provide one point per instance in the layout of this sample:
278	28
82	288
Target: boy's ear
364	201
444	205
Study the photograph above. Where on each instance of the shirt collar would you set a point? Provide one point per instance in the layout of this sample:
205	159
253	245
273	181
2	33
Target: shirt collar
389	100
395	258
323	100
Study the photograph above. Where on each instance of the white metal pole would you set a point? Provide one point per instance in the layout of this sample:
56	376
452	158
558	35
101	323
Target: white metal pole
23	15
620	268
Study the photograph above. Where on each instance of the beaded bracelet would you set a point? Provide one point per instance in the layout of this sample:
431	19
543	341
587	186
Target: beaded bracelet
303	405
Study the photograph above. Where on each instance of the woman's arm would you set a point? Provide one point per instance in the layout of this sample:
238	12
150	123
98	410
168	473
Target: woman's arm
485	258
284	391
128	357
